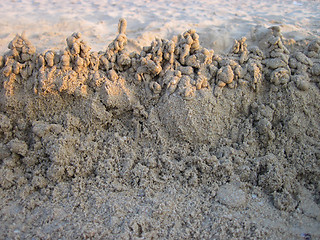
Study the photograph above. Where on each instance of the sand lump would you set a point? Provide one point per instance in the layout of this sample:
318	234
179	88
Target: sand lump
176	132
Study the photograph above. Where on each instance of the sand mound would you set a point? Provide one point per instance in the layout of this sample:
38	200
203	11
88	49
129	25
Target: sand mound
173	142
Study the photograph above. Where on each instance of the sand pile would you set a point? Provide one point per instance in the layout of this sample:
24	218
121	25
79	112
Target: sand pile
172	142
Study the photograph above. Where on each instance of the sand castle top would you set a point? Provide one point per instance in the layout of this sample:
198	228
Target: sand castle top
183	54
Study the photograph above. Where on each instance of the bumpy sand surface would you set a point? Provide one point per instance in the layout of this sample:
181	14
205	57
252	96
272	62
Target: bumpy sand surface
171	141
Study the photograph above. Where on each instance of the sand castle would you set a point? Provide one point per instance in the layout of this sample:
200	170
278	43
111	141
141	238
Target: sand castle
132	121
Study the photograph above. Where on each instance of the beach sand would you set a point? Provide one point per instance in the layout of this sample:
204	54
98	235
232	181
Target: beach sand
159	119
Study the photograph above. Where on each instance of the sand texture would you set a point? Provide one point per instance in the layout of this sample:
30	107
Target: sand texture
168	140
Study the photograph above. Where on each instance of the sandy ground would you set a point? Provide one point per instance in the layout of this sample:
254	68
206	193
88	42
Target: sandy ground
141	129
48	23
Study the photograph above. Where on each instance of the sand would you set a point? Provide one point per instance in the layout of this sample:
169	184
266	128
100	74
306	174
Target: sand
160	120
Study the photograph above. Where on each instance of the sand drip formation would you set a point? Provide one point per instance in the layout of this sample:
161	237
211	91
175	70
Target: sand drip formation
173	142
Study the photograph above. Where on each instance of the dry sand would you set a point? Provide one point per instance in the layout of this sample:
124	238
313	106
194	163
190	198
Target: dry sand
150	129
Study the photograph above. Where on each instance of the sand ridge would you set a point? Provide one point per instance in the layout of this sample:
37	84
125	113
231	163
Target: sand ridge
174	141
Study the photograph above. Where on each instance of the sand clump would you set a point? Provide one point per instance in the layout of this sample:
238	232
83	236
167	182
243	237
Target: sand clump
172	142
